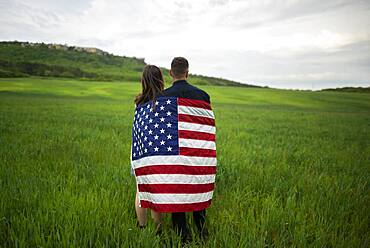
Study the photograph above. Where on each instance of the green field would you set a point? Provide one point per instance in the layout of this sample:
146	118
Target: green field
293	168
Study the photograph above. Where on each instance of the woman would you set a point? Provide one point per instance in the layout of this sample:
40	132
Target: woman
152	85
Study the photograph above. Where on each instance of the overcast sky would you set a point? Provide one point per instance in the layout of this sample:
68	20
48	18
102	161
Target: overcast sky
283	43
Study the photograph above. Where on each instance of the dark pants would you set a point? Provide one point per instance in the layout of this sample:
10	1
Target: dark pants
179	222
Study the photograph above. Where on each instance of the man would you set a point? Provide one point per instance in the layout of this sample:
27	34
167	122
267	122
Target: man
181	88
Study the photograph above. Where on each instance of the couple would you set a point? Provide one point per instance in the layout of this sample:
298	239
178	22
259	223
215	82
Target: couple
173	154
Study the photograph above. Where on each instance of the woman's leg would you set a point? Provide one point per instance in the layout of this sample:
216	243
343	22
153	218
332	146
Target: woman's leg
140	212
157	217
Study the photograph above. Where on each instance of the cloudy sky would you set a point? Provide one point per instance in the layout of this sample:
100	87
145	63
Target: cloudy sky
301	44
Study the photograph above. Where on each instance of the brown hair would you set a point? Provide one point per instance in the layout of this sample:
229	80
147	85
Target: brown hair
152	84
179	66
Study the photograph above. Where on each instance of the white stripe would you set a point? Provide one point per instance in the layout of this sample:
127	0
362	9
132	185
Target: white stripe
175	179
193	143
174	160
175	198
195	111
197	127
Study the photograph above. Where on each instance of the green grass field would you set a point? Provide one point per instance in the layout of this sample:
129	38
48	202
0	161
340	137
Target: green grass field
293	168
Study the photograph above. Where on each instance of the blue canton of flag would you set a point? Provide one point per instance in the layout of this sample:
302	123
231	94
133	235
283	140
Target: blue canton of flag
155	131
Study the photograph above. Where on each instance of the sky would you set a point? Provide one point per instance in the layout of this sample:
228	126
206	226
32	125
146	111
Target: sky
291	44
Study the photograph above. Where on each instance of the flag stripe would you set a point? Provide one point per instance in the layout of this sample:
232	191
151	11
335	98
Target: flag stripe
175	169
193	143
176	198
198	152
194	103
176	188
196	119
175	179
197	127
195	111
186	134
183	207
174	160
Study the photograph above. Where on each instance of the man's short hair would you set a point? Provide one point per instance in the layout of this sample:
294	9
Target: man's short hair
179	66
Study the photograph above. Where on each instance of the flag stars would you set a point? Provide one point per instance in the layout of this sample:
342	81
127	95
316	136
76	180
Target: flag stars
153	131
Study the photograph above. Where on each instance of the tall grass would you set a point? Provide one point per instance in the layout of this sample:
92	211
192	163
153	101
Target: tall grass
293	168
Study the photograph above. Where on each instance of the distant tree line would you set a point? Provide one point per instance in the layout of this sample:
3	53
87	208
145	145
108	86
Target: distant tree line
27	69
24	69
350	89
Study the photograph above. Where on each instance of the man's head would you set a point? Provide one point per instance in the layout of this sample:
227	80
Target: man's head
179	68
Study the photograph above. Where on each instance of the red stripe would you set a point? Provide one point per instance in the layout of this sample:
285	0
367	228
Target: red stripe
186	134
196	119
172	208
176	188
193	103
187	151
175	169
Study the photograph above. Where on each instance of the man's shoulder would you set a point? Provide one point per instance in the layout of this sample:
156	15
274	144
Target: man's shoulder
187	90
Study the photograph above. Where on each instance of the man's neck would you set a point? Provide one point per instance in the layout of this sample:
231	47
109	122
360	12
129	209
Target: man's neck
178	79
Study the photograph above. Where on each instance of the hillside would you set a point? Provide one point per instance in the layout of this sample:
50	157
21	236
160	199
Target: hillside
23	59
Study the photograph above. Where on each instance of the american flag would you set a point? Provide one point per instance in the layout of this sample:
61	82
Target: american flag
174	154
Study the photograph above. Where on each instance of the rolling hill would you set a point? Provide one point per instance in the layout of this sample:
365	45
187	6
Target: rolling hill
24	59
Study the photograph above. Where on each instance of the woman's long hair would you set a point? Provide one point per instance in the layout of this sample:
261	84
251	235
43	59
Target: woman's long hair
152	84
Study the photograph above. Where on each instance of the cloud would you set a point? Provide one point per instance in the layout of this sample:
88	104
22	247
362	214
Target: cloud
279	43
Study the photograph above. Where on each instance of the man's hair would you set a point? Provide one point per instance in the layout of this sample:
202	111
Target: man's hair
179	66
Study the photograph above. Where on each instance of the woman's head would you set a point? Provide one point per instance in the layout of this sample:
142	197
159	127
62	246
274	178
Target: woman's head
152	84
